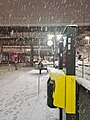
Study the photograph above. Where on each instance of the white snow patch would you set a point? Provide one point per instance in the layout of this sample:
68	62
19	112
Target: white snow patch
85	83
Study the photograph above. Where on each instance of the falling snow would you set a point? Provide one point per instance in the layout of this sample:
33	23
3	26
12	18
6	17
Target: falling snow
19	98
63	11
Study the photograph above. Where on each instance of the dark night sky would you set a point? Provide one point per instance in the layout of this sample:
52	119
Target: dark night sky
44	11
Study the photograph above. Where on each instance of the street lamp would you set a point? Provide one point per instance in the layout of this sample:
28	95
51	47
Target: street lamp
50	37
52	41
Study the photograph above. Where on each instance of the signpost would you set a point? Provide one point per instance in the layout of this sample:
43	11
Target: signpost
67	82
60	47
70	65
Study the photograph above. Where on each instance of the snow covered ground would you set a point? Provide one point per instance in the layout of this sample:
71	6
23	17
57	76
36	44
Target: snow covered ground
83	79
19	99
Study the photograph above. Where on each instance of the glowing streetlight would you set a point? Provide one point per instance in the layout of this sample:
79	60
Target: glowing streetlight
50	37
87	38
50	43
58	37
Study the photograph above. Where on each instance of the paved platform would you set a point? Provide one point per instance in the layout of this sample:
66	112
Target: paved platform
20	98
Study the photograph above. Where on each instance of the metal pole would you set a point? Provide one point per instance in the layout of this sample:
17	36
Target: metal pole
38	84
54	52
70	65
60	55
83	67
39	49
60	67
1	50
77	101
60	114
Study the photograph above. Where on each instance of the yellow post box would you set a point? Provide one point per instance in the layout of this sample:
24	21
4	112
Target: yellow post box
59	93
70	94
58	76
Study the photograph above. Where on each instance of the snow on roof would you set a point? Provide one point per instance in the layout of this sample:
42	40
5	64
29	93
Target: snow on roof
72	25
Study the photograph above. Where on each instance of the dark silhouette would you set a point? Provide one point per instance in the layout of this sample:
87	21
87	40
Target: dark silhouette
40	65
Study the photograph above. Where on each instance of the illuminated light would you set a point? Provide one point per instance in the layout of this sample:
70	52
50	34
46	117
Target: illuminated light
59	36
15	55
12	32
28	50
50	43
87	38
72	25
50	37
46	28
